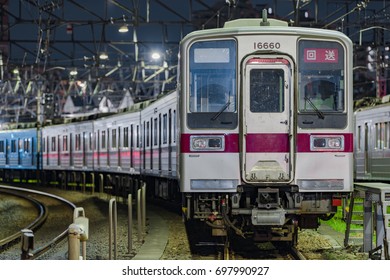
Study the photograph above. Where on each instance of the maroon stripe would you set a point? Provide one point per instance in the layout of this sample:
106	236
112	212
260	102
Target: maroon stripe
267	143
303	142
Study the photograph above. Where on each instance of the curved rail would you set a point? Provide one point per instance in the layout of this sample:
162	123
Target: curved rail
43	249
43	213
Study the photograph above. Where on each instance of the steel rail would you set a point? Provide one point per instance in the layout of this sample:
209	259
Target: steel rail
36	223
43	249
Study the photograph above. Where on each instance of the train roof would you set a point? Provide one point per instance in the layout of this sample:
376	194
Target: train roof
273	26
19	125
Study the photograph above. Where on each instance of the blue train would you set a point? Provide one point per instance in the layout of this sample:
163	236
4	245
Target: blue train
19	161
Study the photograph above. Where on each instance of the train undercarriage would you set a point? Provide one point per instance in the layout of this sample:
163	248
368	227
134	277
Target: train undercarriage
263	214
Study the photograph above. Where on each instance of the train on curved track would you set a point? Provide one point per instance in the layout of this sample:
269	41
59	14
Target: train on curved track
257	139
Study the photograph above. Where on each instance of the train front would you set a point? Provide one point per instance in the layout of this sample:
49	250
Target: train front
265	127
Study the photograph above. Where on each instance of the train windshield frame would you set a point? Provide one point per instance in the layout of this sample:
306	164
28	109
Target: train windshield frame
212	98
321	83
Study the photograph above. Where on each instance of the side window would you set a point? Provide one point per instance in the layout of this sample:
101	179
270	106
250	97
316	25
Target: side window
165	128
103	139
13	146
155	134
174	126
53	144
359	138
78	142
125	137
147	134
137	136
2	146
27	142
65	143
113	139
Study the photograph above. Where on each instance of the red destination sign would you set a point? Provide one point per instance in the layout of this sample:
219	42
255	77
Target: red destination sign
321	55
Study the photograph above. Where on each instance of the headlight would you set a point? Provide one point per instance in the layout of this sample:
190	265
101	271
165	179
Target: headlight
326	143
207	143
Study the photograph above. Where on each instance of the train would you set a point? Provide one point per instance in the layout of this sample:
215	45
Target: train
256	140
372	143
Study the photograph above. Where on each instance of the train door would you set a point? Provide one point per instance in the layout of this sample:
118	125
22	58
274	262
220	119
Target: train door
267	128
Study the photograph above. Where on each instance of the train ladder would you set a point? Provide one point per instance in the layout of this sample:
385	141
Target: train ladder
354	217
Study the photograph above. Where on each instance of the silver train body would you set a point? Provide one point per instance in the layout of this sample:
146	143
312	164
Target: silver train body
372	146
257	138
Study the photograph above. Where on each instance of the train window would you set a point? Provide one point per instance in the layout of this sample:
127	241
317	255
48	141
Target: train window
113	139
147	134
387	126
90	141
212	93
53	144
321	76
2	146
266	90
155	132
13	146
65	143
125	137
380	135
377	135
174	126
359	138
137	136
78	142
131	136
20	145
165	128
27	145
103	135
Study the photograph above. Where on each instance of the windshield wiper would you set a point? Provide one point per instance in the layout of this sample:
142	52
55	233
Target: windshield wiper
224	107
319	113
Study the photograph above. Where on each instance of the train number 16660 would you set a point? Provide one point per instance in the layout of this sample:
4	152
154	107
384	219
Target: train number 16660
266	45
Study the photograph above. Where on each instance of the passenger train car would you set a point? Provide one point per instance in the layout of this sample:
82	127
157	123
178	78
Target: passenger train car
372	143
257	138
266	124
18	155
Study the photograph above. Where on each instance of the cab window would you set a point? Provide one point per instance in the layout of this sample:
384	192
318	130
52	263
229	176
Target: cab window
212	88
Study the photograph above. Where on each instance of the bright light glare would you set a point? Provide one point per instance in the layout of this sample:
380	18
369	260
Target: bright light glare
156	55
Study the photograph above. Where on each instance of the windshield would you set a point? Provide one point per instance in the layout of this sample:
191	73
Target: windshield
321	77
212	94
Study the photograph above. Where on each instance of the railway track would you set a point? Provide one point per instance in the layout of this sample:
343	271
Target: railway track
225	252
237	248
35	224
49	207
